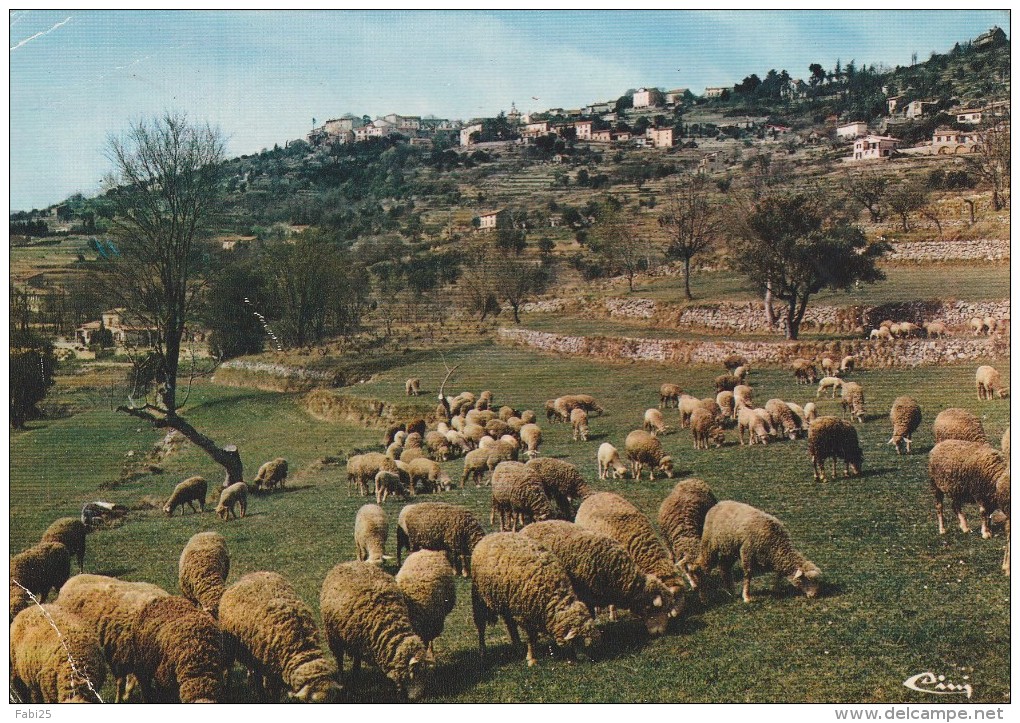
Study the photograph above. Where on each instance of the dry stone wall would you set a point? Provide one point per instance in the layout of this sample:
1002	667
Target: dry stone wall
975	250
897	353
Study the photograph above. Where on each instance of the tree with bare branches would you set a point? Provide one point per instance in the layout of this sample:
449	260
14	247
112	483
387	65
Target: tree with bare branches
617	243
689	222
165	189
991	162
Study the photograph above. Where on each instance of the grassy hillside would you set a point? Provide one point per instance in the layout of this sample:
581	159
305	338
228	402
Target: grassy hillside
899	599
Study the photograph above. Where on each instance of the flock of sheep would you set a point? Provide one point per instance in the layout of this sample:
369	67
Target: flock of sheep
560	553
888	329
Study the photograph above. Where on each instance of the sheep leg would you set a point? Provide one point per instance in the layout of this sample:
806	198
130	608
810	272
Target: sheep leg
986	521
908	441
957	508
939	497
532	644
612	613
1005	557
511	628
355	663
480	613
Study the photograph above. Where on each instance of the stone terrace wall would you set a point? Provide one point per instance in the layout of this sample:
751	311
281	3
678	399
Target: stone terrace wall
977	250
898	353
750	316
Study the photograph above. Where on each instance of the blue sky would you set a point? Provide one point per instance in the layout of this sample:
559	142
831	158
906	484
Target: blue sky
77	76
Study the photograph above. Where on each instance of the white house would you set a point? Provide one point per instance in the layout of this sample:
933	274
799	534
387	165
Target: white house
851	130
644	97
874	148
715	92
465	133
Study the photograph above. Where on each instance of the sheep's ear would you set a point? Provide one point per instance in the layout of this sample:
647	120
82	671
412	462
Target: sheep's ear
414	659
657	602
799	574
571	635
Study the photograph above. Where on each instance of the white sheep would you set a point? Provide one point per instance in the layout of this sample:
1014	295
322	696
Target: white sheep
989	384
371	528
832	383
609	458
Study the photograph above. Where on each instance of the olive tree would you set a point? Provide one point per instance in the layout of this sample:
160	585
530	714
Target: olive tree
796	245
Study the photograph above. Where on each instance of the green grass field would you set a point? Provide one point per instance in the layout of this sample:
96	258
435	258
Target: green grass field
899	599
904	282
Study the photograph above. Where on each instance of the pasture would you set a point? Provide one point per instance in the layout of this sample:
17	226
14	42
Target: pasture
898	598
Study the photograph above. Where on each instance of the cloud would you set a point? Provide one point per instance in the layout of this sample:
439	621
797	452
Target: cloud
39	35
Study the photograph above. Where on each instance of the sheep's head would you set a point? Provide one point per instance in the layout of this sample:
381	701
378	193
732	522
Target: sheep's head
574	626
221	512
320	690
412	677
1003	393
856	461
666	465
620	472
167	509
808	579
657	606
717	436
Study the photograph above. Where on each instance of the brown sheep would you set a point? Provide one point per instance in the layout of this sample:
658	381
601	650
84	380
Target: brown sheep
834	438
956	423
905	416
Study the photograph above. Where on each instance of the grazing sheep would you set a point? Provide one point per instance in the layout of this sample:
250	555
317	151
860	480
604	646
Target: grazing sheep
829	366
682	518
741	372
784	417
426	580
669	395
179	653
412	387
766	420
645	450
271	474
833	383
726	403
457	441
810	412
362	469
429	474
799	417
188	492
989	384
742	397
371	528
563	406
364	614
55	658
111	607
203	569
391	433
475	466
936	329
506	413
853	400
236	495
518	496
518	580
756	425
990	324
969	472
956	423
531	435
733	361
496	428
473	433
734	530
417	426
881	334
609	457
515	424
977	325
437	444
528	417
1005	442
550	411
452	529
804	371
610	514
37	570
833	438
654	422
390	483
69	532
705	428
727	382
579	421
905	416
562	482
686	407
270	631
847	365
603	574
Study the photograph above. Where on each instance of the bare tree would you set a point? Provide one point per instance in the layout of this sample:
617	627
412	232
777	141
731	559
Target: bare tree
617	243
867	189
905	199
165	189
689	222
991	162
